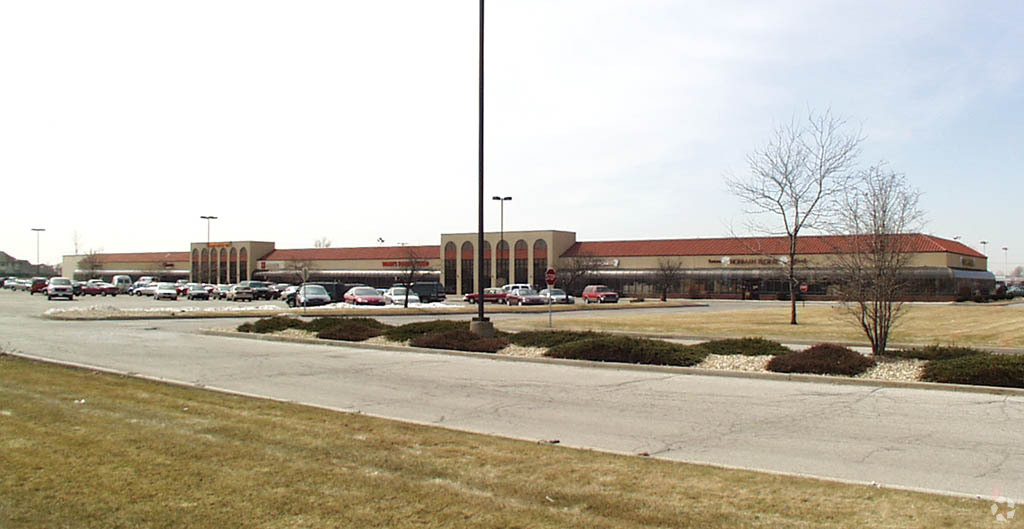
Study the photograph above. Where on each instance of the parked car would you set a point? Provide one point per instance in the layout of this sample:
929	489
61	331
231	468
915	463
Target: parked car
396	295
196	291
491	295
337	290
98	288
259	289
149	289
363	296
429	291
239	292
288	294
524	296
60	287
38	284
310	296
599	294
557	295
122	282
166	291
219	291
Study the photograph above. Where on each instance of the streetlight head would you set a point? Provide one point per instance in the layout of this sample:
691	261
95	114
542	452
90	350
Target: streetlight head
495	198
507	198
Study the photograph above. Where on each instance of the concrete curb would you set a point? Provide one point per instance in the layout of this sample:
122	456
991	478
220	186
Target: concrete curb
817	379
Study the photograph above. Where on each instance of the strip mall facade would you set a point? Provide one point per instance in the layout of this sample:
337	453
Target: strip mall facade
940	269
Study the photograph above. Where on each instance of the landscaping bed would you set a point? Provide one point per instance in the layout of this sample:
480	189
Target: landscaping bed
957	365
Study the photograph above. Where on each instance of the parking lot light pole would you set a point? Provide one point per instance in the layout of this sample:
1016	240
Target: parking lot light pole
481	325
502	239
207	218
38	231
1006	264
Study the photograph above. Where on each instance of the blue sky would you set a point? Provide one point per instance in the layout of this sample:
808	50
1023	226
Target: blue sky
357	120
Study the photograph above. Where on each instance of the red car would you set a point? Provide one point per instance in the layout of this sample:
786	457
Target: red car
99	289
38	285
599	294
524	296
363	296
491	295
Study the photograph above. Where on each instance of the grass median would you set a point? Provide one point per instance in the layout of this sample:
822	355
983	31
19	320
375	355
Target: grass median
83	449
989	325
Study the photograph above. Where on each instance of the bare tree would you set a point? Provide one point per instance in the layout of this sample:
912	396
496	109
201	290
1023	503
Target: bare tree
876	217
795	177
90	264
667	276
412	265
322	242
1017	272
574	271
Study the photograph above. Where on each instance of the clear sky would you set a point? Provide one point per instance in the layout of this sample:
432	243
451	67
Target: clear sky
121	122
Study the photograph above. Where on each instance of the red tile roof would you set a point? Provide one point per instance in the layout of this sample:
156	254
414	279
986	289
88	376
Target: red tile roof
344	254
806	245
145	257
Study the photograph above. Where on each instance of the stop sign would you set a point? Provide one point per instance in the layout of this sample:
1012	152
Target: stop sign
803	288
549	276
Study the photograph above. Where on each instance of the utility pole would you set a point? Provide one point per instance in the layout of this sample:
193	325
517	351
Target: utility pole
38	231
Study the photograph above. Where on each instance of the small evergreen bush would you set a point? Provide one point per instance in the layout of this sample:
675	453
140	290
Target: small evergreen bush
822	359
410	331
551	338
985	369
459	340
321	324
935	352
743	346
272	324
628	350
351	329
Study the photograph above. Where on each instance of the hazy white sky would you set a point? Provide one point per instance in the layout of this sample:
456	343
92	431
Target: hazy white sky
124	121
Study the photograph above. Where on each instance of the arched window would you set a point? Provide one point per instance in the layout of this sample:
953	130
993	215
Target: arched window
486	279
451	267
213	266
502	264
243	265
540	261
233	266
223	276
195	265
204	265
467	267
522	262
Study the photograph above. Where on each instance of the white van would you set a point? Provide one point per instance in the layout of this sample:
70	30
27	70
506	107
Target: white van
123	283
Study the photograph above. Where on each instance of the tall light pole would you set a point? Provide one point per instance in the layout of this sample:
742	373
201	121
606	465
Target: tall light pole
983	245
502	240
208	218
1006	266
481	325
38	231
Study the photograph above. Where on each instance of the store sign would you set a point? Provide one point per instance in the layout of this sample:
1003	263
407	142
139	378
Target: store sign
218	244
762	261
404	264
606	263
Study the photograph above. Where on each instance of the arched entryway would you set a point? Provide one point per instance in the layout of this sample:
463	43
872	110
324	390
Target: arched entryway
451	267
540	260
522	262
467	267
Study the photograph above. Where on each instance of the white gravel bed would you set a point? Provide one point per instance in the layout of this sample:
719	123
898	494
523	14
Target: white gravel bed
736	362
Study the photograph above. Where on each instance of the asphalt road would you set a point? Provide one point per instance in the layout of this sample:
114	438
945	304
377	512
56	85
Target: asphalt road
963	443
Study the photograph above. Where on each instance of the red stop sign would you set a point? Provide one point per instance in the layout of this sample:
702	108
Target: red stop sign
549	276
803	288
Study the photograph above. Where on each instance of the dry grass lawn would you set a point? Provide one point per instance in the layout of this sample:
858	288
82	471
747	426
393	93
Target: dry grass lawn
82	449
991	325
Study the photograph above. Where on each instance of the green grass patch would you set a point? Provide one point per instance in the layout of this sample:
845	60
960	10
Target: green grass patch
985	369
628	350
82	449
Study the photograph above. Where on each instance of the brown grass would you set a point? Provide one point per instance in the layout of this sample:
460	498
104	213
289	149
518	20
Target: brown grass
81	449
990	325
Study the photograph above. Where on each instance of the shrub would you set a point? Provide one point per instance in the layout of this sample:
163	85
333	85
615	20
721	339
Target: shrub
551	338
321	324
410	331
272	324
822	359
351	329
935	352
459	340
743	346
985	369
628	350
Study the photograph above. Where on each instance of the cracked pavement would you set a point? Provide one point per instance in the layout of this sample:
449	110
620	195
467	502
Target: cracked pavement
953	442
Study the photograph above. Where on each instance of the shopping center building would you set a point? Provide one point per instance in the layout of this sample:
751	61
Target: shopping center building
728	267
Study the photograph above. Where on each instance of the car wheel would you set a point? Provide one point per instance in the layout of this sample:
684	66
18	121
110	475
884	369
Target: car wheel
520	303
104	294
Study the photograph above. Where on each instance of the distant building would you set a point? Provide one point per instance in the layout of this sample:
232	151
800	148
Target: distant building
9	266
730	267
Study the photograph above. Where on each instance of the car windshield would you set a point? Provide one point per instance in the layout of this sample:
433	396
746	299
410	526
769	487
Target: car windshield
527	292
165	287
314	290
556	292
366	291
60	281
603	289
398	291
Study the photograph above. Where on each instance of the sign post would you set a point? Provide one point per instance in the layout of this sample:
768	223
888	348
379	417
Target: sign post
549	278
